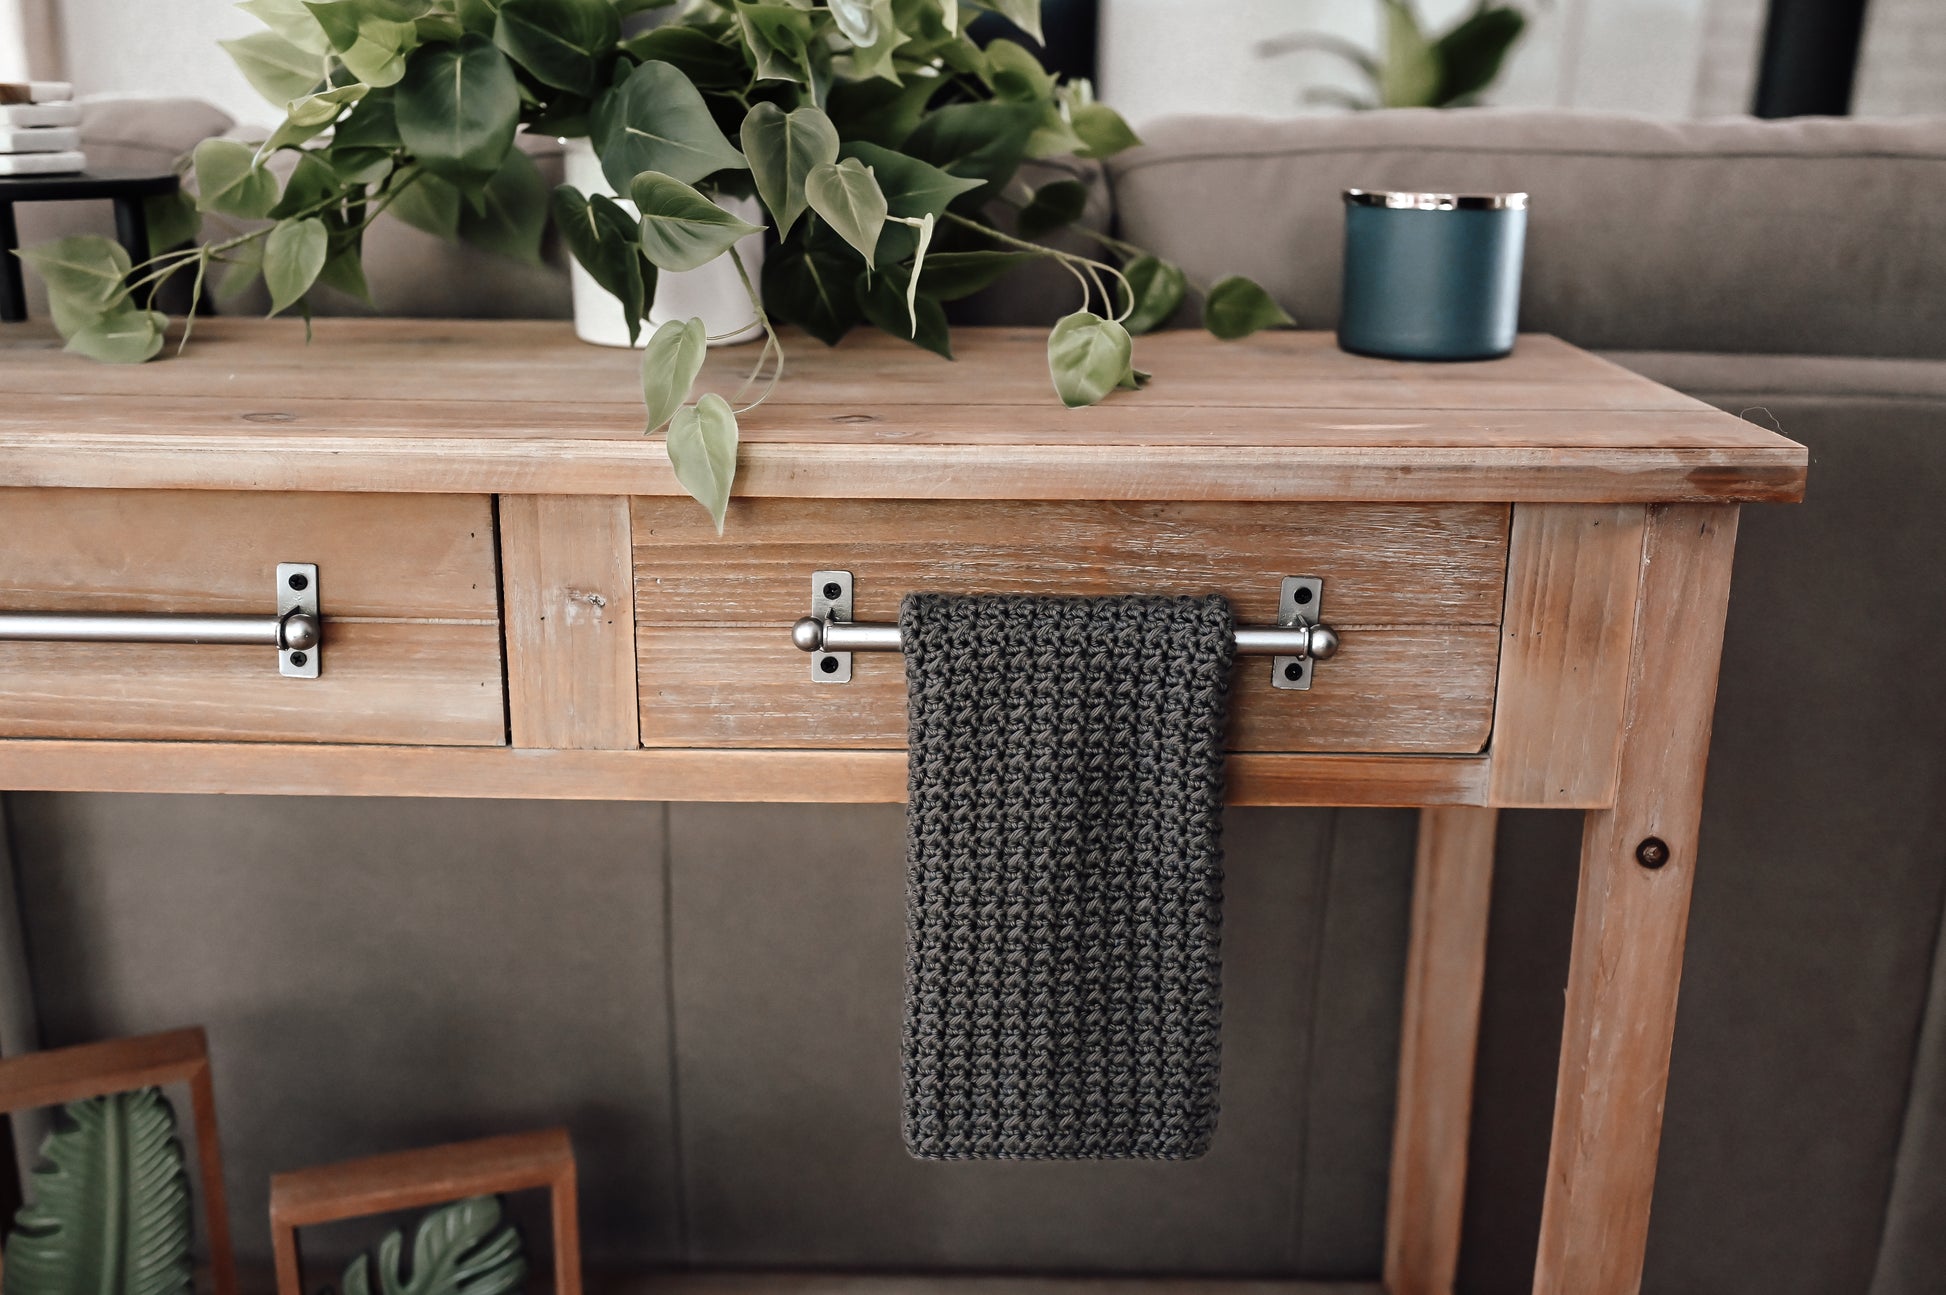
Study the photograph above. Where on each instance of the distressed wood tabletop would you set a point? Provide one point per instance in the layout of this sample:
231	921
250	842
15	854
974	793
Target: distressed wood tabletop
523	406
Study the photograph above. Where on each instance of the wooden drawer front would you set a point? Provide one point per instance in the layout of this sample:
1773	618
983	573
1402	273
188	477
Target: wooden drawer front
407	585
1415	589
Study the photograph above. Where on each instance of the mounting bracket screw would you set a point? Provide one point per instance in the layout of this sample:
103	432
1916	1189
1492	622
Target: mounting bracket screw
1652	853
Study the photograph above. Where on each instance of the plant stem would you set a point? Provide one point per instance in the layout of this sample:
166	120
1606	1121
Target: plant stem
770	338
1068	259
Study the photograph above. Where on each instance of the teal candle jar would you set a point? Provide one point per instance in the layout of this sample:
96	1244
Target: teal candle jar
1432	276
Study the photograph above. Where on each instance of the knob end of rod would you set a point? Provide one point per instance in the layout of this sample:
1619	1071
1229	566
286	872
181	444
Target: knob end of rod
808	634
301	631
1324	642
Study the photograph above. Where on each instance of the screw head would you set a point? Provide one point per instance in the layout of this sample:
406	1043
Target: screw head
1652	853
299	659
299	582
829	665
1294	671
833	590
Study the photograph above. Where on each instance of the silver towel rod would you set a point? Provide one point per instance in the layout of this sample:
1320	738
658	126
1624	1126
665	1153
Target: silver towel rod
296	629
817	634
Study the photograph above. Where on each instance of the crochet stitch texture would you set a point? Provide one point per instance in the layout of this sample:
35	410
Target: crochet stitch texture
1064	875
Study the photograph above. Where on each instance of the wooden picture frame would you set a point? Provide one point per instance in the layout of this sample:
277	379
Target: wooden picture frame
62	1075
425	1177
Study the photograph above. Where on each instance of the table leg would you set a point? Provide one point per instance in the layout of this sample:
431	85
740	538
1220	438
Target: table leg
13	289
1637	865
132	227
1444	970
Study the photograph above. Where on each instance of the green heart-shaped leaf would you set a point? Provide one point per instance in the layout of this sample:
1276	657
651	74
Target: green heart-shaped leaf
655	120
1101	130
173	219
981	141
1054	206
562	42
229	180
708	63
291	20
293	255
783	149
279	70
607	242
458	107
779	36
1236	308
808	282
950	276
681	229
372	48
1024	14
1087	356
312	184
429	202
887	300
911	187
670	363
847	195
1159	288
856	21
84	274
702	446
509	214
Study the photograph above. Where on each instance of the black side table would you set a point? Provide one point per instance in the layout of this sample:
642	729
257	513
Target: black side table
126	187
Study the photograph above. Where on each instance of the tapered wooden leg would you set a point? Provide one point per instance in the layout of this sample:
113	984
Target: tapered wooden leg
1637	864
1445	964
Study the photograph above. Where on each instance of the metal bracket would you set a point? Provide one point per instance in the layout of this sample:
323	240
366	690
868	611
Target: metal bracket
831	601
297	595
1301	602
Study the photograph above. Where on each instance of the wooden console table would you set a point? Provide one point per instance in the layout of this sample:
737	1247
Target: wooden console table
1527	562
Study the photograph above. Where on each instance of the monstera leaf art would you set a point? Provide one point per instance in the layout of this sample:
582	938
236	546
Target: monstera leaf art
111	1204
460	1249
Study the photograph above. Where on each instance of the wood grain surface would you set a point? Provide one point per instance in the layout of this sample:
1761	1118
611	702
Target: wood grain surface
569	584
407	585
1415	592
1445	972
1572	572
522	407
804	777
1630	919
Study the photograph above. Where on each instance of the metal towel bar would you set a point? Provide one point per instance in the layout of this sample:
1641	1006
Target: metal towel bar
814	634
296	630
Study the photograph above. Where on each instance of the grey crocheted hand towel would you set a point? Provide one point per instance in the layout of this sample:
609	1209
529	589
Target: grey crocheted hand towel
1065	875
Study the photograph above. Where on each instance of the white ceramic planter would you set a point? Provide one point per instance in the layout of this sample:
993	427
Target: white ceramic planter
713	294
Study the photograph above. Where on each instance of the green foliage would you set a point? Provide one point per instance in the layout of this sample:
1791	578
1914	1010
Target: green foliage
682	229
847	195
875	135
111	1204
1416	69
607	241
670	364
783	149
1088	356
1235	307
459	1249
703	450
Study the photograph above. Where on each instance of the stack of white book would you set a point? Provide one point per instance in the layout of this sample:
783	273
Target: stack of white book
39	129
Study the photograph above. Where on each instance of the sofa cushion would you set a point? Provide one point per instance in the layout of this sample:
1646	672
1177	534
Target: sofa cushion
1807	236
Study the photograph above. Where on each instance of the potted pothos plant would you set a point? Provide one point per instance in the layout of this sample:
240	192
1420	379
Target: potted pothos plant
877	137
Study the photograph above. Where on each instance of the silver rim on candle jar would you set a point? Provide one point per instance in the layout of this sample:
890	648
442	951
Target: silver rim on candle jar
1436	201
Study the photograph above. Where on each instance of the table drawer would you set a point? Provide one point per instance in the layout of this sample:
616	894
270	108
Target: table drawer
1415	590
406	584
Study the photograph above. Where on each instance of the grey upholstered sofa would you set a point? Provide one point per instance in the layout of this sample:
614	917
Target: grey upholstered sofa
708	995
